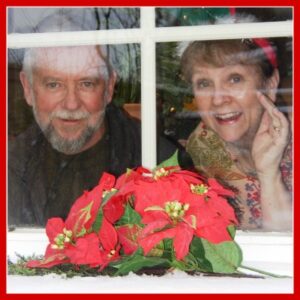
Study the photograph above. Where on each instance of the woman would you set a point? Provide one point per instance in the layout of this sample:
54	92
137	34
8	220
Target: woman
242	139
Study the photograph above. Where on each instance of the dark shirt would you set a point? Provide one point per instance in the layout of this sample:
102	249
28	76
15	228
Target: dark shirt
44	183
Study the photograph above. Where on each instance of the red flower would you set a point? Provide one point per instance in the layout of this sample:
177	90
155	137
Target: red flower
86	251
109	243
128	237
114	208
172	203
67	239
85	209
167	214
178	209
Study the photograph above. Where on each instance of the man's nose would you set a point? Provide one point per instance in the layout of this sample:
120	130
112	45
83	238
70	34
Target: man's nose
221	96
71	100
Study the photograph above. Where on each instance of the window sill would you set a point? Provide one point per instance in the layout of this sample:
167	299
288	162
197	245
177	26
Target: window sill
272	252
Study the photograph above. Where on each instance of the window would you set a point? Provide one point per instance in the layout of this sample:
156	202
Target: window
148	36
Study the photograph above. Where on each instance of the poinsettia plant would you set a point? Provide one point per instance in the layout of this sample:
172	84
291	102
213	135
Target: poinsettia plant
162	218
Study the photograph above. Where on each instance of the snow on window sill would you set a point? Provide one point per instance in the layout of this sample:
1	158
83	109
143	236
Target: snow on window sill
272	252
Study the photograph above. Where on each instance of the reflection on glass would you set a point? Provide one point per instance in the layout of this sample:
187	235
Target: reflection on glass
233	117
77	130
183	16
25	20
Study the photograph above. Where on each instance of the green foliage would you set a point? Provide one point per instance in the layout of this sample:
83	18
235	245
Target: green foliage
65	270
107	196
130	216
138	261
224	257
207	257
170	162
98	222
198	252
232	230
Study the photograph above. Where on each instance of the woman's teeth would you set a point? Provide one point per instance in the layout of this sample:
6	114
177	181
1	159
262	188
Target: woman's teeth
228	116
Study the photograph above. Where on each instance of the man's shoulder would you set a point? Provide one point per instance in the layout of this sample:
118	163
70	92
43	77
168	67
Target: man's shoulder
118	114
121	123
23	145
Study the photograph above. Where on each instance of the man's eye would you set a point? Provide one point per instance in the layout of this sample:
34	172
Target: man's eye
53	85
87	84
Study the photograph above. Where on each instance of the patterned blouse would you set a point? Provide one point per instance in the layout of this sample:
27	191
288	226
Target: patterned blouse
211	158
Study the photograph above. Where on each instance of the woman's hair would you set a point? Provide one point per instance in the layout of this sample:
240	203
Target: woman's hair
219	53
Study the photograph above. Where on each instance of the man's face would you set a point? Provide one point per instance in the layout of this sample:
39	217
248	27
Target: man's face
69	95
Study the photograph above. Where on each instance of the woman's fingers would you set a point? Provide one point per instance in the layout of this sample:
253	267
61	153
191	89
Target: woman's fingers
276	116
273	121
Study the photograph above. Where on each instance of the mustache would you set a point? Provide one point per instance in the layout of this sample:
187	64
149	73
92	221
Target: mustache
69	115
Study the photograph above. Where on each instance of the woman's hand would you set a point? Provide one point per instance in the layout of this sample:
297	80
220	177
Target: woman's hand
271	139
267	150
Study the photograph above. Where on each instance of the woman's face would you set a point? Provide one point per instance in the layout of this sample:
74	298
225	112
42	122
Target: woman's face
227	101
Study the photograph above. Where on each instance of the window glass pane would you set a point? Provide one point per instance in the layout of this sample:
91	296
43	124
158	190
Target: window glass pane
24	20
86	104
209	105
179	16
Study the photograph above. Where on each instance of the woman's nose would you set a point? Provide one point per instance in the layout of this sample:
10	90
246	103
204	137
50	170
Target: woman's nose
221	95
71	100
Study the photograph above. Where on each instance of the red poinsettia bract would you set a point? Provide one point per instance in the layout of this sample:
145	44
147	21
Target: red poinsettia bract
179	206
72	241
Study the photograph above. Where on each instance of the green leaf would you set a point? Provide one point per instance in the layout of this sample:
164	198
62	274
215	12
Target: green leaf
138	261
197	250
231	229
168	249
224	257
107	196
98	222
158	250
170	162
130	216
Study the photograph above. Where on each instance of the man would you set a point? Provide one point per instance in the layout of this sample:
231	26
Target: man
77	136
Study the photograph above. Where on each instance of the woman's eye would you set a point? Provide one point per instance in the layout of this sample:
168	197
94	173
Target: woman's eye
235	79
201	84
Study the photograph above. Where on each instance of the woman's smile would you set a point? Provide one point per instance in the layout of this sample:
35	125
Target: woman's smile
228	118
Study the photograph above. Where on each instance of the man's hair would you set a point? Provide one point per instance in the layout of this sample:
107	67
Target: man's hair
61	22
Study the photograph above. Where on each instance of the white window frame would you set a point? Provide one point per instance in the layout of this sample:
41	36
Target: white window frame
256	246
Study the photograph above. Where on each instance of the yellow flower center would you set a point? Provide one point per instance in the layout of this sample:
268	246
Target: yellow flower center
176	210
111	253
199	189
160	173
61	239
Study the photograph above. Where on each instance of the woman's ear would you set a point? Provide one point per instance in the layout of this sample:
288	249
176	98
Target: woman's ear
272	85
26	87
